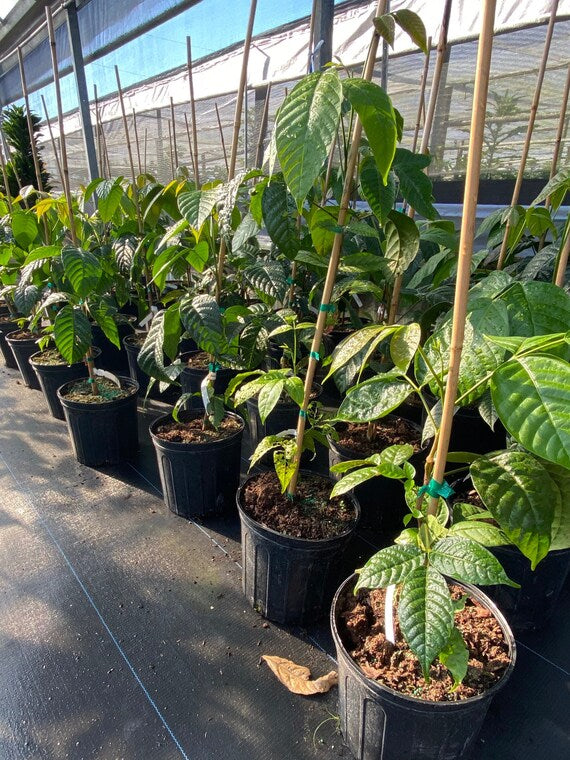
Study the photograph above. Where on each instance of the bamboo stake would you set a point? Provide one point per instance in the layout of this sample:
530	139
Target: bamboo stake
334	259
194	147
221	131
135	130
30	124
422	102
145	140
170	146
559	131
563	260
190	146
262	128
53	145
99	151
466	239
174	137
529	130
6	147
426	134
129	151
237	125
104	151
5	178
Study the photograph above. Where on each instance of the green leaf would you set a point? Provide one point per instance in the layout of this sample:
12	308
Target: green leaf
201	318
426	614
536	308
284	461
151	355
72	333
561	521
373	399
323	228
414	27
538	221
197	205
388	566
305	129
560	181
355	342
280	217
530	395
82	269
267	277
380	196
402	242
481	532
468	561
520	494
354	479
24	228
386	27
269	396
172	330
415	186
109	196
397	454
124	249
247	229
43	252
455	657
106	321
374	108
26	297
404	345
295	388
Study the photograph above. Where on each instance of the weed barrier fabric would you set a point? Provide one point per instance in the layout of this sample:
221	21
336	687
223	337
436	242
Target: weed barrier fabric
124	631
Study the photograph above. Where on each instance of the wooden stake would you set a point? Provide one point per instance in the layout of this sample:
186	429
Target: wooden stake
145	140
194	147
175	149
262	128
170	147
334	258
224	151
237	125
190	146
129	151
53	145
563	260
30	124
422	102
426	134
137	141
104	151
466	239
560	131
529	130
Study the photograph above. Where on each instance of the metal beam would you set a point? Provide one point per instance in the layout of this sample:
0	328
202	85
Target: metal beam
324	16
81	84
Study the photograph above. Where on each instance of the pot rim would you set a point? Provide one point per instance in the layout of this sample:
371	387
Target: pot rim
379	687
20	340
307	541
190	446
103	405
95	350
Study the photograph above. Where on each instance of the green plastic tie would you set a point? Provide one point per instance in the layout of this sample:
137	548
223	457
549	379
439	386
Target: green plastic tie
302	413
435	489
315	355
290	281
89	358
50	284
81	301
330	307
214	366
90	380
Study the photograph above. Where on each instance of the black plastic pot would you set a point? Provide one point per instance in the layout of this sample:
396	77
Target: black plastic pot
191	378
198	479
133	350
7	353
112	358
22	350
379	722
289	580
53	376
381	500
102	433
533	604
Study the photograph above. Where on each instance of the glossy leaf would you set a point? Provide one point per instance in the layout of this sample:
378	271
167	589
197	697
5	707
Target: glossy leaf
355	342
82	269
354	479
561	521
373	399
24	228
379	196
482	532
279	216
72	333
388	566
415	186
404	345
269	396
109	196
414	27
201	318
455	657
467	561
402	242
536	308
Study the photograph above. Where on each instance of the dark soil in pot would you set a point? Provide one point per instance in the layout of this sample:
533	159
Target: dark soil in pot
386	708
195	371
52	372
381	499
23	344
199	469
103	428
291	550
113	358
7	325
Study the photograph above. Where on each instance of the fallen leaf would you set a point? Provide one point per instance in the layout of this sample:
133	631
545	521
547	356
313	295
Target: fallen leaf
297	677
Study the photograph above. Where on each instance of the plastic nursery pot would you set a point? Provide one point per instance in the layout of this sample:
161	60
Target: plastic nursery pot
112	358
22	350
378	722
289	580
198	479
381	500
104	433
5	328
191	378
53	376
533	604
132	347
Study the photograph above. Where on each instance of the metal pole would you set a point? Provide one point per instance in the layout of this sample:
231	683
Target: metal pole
384	68
81	84
323	30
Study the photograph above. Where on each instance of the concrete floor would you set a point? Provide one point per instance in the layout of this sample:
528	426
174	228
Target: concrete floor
124	633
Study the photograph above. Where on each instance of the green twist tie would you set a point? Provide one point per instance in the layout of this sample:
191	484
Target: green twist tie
315	355
436	489
303	413
222	310
50	285
290	281
330	307
81	301
214	366
90	380
89	358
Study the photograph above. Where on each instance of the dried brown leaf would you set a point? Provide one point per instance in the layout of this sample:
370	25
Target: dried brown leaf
297	677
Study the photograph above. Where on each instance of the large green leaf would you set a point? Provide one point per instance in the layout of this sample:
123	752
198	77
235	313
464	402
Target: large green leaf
197	205
280	217
402	242
560	181
201	318
267	277
24	228
82	269
388	566
355	342
374	398
426	614
455	656
72	333
480	531
268	397
561	522
305	129
380	196
109	195
521	496
376	113
26	297
414	27
532	398
43	252
404	345
415	186
105	318
466	560
323	226
151	355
